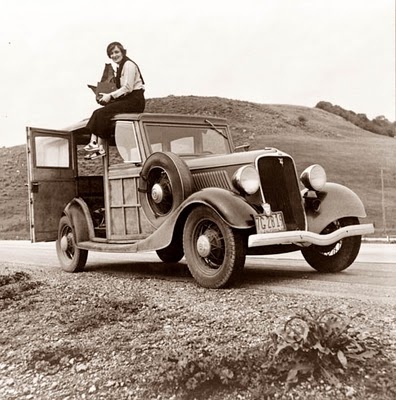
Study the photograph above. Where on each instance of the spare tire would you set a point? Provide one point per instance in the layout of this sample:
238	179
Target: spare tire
165	182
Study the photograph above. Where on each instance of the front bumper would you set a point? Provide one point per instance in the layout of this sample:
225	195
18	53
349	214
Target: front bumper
306	238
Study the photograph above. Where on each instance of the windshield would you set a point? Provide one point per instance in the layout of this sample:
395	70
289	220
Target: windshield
188	140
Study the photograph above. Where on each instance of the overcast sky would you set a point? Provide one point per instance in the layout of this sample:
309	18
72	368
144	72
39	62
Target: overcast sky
265	51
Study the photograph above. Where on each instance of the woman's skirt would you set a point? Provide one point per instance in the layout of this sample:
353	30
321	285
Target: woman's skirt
100	122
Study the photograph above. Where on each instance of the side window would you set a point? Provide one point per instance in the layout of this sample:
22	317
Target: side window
126	142
52	152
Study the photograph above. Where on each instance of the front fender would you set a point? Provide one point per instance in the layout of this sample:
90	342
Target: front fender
337	201
233	209
80	218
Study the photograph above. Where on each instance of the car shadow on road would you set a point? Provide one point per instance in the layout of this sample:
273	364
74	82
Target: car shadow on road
139	269
278	274
179	272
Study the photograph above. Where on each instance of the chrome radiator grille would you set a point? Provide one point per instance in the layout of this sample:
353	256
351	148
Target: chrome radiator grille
280	189
211	179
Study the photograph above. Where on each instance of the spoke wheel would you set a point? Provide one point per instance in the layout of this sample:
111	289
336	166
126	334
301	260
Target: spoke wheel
71	258
215	252
337	256
165	182
159	191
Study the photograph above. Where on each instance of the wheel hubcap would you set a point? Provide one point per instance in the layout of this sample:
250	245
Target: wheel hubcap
64	243
203	246
157	193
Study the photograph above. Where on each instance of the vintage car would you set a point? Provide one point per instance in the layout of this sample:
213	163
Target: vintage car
175	184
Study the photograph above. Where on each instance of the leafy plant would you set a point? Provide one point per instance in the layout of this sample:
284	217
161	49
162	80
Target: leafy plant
324	344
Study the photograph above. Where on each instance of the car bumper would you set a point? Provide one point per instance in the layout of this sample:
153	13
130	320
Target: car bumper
306	238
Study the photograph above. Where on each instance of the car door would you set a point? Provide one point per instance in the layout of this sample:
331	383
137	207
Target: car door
51	180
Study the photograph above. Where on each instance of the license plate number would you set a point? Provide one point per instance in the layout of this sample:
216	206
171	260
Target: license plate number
270	223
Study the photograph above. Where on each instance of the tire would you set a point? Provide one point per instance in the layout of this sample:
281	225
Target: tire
165	182
71	258
171	254
338	256
215	252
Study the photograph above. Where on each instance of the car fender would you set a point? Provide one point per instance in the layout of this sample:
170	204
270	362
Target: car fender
233	209
337	201
80	218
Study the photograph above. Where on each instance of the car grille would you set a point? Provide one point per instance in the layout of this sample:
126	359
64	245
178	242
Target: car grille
211	179
281	190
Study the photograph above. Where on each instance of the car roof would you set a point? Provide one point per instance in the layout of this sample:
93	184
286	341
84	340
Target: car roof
156	118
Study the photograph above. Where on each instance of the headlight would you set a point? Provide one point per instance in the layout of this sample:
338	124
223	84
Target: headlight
246	179
314	177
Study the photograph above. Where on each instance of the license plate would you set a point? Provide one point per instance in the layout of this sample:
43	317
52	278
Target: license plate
270	223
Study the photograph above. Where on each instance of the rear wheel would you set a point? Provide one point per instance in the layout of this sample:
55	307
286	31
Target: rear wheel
71	258
337	256
215	252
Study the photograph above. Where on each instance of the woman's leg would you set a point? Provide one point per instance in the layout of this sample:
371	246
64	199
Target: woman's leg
93	143
100	122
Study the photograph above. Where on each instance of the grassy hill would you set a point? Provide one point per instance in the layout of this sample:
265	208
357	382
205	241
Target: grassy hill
351	156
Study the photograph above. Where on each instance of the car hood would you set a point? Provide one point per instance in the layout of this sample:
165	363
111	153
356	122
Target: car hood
242	158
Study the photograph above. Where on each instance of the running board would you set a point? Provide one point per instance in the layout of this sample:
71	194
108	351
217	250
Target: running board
109	247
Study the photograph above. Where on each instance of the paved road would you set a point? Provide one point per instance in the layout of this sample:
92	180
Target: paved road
372	277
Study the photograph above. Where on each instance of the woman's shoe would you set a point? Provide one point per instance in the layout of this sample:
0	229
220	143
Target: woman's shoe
98	154
91	146
88	156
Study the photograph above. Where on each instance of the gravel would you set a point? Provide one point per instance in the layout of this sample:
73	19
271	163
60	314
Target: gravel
101	335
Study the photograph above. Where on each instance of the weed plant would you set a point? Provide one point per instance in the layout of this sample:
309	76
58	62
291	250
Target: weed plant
322	346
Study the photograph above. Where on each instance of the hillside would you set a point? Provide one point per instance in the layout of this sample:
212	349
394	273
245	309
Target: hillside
350	155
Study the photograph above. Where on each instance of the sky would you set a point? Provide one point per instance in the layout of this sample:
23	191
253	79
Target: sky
296	52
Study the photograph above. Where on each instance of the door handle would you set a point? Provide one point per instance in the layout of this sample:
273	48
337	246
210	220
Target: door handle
34	187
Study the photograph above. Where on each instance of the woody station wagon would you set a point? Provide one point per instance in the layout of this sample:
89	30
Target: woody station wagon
175	184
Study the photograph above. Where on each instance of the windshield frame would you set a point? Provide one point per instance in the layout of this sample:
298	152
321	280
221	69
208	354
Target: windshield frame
170	137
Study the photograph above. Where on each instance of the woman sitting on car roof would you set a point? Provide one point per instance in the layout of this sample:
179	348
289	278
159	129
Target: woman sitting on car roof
127	98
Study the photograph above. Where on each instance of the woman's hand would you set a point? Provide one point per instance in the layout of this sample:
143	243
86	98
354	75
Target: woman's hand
106	97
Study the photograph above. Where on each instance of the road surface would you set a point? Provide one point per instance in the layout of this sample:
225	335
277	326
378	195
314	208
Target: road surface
372	277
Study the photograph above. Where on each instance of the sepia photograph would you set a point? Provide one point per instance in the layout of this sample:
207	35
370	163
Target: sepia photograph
198	200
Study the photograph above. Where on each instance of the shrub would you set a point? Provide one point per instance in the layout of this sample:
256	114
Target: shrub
379	125
323	345
302	120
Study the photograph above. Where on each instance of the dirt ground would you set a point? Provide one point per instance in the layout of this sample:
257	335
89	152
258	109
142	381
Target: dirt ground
98	335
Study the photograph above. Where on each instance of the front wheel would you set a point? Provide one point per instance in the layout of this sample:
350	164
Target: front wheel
71	258
214	251
337	256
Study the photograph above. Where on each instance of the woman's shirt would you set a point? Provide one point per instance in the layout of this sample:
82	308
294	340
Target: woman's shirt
130	80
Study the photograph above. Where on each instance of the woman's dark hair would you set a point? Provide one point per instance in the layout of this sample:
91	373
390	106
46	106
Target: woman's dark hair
111	46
